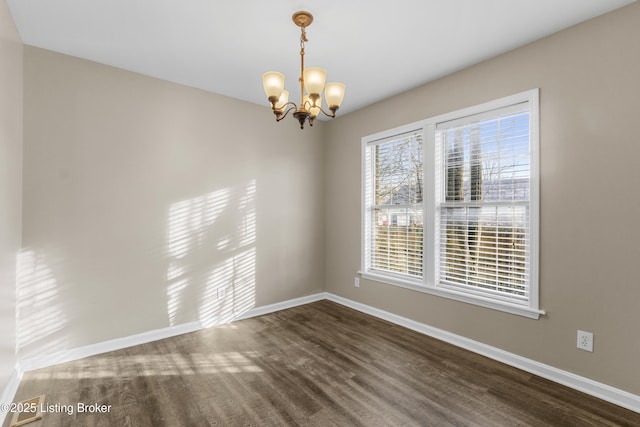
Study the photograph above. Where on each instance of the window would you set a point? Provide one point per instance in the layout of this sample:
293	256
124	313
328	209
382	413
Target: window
394	204
451	205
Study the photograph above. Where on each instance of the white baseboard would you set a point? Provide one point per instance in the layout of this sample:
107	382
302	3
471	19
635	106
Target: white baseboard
38	362
9	392
266	309
585	385
593	388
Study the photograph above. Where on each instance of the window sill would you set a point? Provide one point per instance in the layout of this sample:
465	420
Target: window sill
451	294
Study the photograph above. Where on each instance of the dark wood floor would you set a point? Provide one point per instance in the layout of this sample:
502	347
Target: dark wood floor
321	364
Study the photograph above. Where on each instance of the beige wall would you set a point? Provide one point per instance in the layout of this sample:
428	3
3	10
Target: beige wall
10	184
589	80
143	197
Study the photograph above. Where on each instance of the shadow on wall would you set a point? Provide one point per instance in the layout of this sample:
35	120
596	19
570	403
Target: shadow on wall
212	256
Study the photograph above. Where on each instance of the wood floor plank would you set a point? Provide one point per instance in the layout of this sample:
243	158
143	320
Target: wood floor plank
320	364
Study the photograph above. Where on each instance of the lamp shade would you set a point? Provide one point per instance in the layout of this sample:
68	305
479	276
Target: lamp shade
273	83
314	79
284	98
334	92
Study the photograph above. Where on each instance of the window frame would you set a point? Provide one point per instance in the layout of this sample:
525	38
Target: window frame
367	142
432	176
372	141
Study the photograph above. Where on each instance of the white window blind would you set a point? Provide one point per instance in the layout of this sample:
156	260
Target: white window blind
394	205
450	205
484	210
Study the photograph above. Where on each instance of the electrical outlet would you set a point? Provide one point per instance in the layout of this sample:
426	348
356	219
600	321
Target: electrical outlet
585	340
221	293
356	282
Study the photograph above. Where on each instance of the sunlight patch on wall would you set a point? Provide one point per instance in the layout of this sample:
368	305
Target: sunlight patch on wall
230	289
211	255
188	221
40	317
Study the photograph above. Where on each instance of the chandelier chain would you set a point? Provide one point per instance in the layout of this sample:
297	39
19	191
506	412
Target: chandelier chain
303	39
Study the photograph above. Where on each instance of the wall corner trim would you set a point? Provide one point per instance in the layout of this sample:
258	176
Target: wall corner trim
602	391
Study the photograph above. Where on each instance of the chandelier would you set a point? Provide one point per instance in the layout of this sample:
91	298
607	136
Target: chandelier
311	79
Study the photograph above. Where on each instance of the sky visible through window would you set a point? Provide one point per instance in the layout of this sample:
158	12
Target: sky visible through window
500	147
399	171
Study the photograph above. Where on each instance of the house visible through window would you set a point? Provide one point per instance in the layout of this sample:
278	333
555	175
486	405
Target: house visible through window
395	208
451	205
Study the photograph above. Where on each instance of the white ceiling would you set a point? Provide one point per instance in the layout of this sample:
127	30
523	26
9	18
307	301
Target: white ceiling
377	49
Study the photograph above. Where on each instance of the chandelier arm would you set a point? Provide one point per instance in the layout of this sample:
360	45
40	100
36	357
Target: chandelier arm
333	112
293	106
